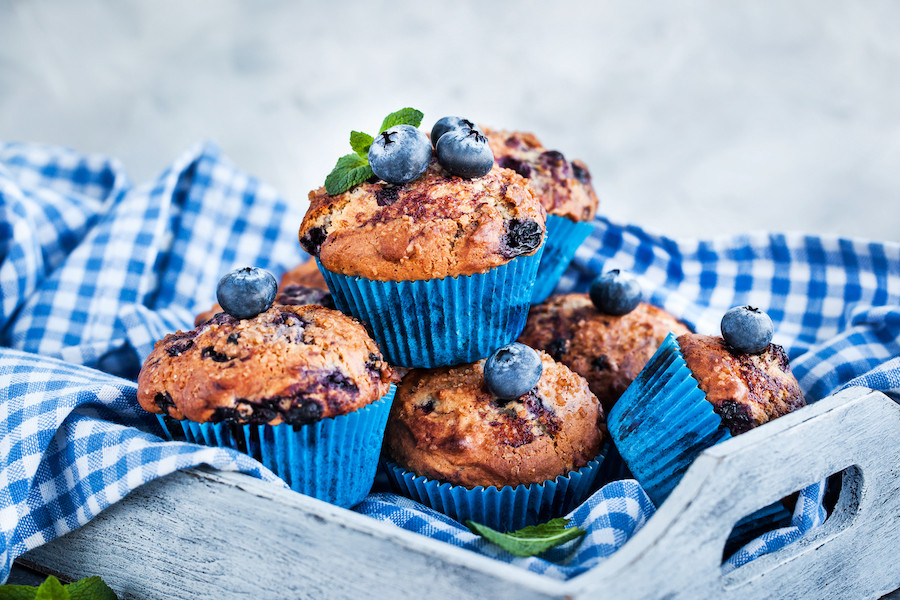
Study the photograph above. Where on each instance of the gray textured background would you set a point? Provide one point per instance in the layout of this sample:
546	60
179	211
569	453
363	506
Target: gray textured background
697	118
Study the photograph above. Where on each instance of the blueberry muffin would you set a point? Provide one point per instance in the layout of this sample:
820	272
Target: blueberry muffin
746	390
433	227
301	285
440	268
447	426
608	351
289	364
565	191
563	187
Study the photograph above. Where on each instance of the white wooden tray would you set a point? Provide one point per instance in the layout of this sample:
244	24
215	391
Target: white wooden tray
202	534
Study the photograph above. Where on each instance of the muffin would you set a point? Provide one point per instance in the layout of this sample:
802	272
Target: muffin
696	391
440	268
565	191
608	351
303	389
458	448
301	285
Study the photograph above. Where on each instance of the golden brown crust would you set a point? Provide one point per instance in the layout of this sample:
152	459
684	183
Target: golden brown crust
433	227
606	350
445	425
564	187
294	364
746	390
306	274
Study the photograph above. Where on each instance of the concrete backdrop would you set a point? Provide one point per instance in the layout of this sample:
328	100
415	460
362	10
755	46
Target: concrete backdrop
697	118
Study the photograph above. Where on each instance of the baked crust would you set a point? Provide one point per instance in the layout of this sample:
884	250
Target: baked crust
436	226
447	426
563	186
746	390
290	364
606	350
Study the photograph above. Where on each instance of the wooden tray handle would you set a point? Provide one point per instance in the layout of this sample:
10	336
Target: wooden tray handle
678	554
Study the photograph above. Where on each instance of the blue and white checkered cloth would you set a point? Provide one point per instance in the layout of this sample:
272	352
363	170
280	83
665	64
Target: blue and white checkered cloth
94	270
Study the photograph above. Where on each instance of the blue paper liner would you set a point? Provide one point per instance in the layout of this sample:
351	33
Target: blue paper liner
440	322
663	422
505	509
564	236
334	459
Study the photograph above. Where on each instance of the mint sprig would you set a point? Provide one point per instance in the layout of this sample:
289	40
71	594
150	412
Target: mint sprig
90	588
353	169
531	540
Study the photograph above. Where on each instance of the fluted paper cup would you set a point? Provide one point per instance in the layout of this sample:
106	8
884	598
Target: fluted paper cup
564	236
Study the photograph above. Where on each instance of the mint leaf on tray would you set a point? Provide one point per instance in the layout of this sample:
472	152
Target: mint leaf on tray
89	588
531	540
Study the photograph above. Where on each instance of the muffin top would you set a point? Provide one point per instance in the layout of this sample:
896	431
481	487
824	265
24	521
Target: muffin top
564	187
435	226
746	390
447	426
290	364
609	351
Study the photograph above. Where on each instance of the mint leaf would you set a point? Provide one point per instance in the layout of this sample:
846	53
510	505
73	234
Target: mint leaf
360	143
530	540
404	116
350	170
17	592
51	589
90	588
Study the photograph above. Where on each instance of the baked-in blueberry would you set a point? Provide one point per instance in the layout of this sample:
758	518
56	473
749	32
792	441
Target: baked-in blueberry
522	237
465	152
512	371
246	292
615	293
747	329
400	154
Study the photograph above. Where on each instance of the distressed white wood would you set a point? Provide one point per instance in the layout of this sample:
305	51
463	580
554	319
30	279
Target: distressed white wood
200	534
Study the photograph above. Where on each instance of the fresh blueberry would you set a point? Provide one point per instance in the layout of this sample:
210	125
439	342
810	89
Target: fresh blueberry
615	293
465	152
399	154
512	370
246	292
450	123
747	329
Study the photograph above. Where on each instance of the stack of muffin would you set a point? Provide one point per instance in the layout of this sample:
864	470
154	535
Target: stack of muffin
442	270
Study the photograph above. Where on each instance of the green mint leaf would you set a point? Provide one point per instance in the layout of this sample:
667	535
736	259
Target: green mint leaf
360	143
17	592
530	540
90	588
350	170
51	589
404	116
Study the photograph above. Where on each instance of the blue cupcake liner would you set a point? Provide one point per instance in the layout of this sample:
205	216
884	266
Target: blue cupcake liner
334	459
440	322
663	422
564	236
504	509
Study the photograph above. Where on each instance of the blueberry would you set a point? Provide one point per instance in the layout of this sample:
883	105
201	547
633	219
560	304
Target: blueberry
747	329
465	152
450	123
615	293
246	292
512	370
400	154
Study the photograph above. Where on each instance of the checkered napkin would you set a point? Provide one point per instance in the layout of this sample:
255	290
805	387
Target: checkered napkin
94	270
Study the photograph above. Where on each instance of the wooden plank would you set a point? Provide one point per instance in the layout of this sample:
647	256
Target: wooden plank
201	534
